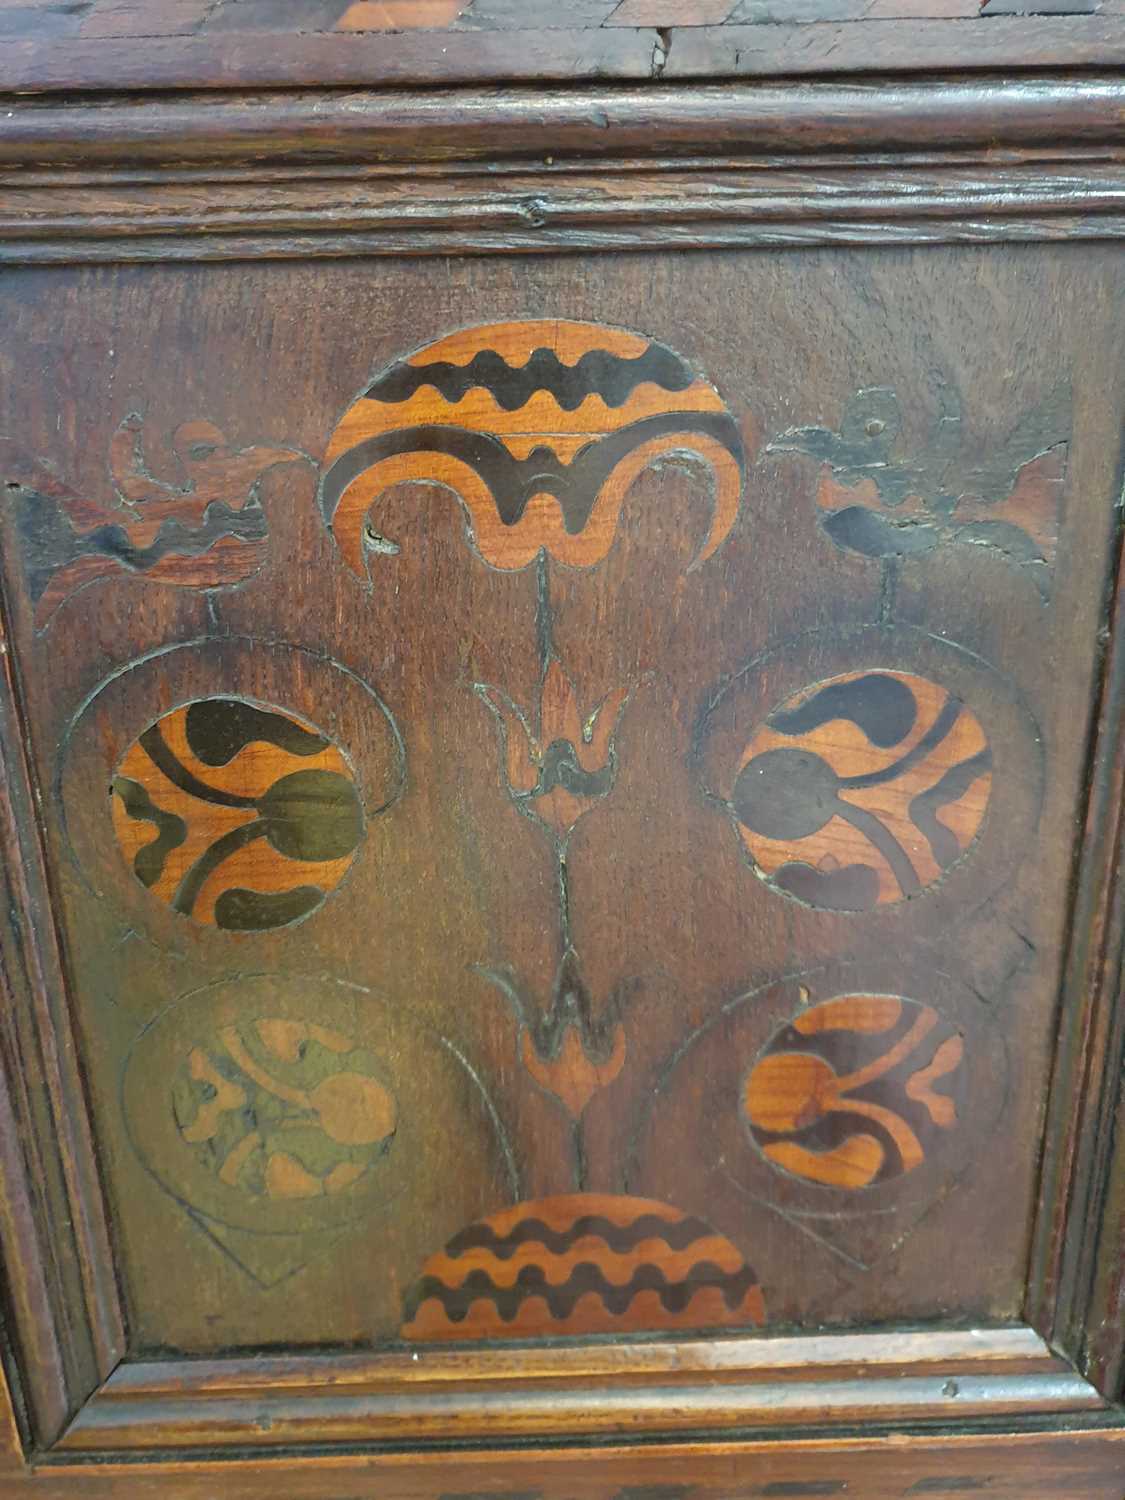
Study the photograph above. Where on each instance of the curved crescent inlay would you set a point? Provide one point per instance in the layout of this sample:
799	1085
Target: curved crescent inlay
539	429
582	1264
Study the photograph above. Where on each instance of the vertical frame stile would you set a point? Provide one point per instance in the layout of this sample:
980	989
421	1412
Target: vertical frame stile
1077	1269
1104	1331
38	1383
63	1305
1098	1317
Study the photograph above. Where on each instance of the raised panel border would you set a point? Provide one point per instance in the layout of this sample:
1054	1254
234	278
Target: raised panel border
835	1382
732	165
1076	1282
62	1306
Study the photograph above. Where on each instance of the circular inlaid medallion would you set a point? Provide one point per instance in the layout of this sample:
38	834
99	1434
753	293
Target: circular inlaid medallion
848	1099
280	1108
236	814
280	1104
225	788
856	1091
862	790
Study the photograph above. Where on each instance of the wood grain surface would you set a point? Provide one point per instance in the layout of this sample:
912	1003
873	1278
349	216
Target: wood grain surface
114	44
130	19
560	926
1072	1465
567	948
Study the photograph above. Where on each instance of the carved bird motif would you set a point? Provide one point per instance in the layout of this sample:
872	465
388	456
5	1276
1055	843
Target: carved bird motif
208	532
882	502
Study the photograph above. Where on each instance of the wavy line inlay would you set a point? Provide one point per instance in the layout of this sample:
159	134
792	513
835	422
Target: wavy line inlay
586	1278
677	1234
597	372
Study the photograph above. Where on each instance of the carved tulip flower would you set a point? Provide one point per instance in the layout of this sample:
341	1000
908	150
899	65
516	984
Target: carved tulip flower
570	1052
575	1071
558	771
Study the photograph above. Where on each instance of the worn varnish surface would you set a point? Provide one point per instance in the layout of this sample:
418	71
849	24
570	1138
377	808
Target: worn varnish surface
146	44
510	805
560	817
157	18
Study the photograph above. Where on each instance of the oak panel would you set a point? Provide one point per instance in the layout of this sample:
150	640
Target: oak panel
558	897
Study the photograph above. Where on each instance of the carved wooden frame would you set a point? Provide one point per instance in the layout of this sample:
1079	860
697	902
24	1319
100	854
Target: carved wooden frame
739	165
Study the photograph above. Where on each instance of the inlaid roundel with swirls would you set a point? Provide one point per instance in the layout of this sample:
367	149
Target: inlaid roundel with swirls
236	815
863	789
856	1091
539	429
846	1100
275	1106
284	1109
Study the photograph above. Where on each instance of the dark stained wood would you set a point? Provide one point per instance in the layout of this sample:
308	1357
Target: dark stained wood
264	60
744	120
1073	1465
56	220
562	808
617	53
180	43
1077	1278
56	1237
1103	1358
519	851
1038	7
893	46
129	18
100	541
